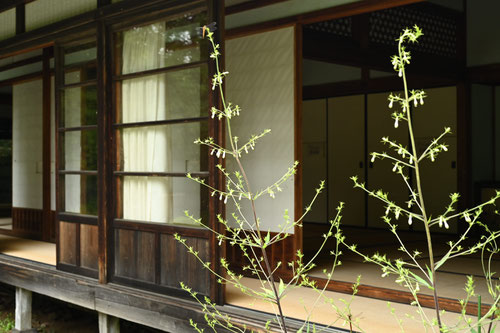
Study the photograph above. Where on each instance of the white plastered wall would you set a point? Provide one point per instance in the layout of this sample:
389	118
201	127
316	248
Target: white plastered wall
44	12
8	23
27	141
280	10
27	145
261	81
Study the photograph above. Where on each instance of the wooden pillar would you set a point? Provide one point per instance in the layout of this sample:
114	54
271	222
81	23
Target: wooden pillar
108	324
47	223
23	310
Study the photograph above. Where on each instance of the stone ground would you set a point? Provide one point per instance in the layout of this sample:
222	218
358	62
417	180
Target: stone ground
53	316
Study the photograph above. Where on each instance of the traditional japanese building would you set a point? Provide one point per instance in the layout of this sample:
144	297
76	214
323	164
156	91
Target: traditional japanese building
101	100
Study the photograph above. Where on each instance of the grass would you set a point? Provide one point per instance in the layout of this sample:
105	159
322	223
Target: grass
7	322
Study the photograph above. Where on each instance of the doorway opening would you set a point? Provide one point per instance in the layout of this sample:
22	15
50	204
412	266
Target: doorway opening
27	150
347	77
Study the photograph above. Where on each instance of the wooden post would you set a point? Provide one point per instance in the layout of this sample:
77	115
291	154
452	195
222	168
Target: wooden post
23	310
47	223
108	324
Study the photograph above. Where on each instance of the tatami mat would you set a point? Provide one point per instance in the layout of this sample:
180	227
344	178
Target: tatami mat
371	314
452	276
28	249
6	223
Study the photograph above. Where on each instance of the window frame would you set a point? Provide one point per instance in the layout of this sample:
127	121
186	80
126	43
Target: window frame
213	178
116	80
63	216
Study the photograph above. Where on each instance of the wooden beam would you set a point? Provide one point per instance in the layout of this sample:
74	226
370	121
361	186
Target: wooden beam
9	4
484	74
335	12
383	84
252	4
20	19
104	120
216	179
298	207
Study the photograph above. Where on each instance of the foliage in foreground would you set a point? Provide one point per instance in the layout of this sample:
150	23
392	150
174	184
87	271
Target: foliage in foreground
245	231
413	272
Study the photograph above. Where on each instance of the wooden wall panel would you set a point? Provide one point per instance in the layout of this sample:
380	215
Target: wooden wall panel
135	255
27	220
67	243
178	265
52	225
279	252
146	256
124	253
88	246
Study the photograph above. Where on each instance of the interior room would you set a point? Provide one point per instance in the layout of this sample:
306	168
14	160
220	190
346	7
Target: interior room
347	77
27	198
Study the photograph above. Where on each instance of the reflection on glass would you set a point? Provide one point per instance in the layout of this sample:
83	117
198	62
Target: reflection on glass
80	194
161	44
173	95
80	53
162	199
80	106
80	150
80	74
165	148
21	70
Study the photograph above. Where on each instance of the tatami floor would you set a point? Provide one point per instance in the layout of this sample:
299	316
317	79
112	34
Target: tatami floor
374	315
452	276
28	249
6	223
371	315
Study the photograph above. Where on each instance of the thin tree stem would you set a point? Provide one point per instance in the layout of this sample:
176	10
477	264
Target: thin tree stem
264	253
420	193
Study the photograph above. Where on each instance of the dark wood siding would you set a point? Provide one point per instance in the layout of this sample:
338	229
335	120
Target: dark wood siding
67	243
88	246
155	260
27	220
135	255
179	265
278	252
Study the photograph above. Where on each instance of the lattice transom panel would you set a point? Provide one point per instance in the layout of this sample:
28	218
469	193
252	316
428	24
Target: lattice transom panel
340	27
440	31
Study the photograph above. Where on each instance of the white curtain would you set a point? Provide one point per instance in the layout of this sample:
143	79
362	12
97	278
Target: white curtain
72	144
146	148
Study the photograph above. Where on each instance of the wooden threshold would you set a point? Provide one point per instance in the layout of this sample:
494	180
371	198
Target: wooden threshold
399	296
